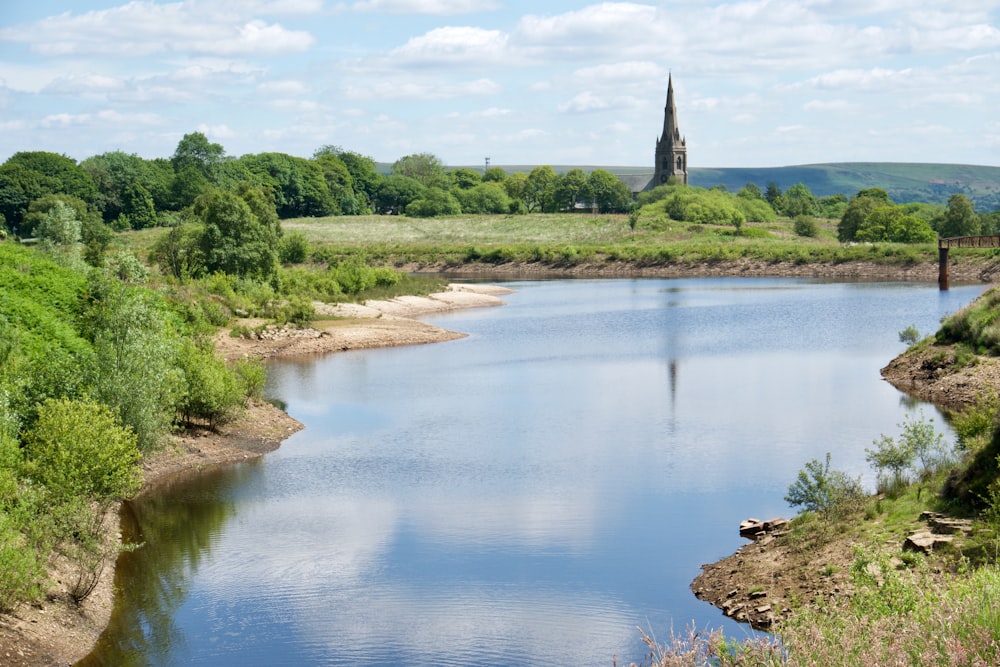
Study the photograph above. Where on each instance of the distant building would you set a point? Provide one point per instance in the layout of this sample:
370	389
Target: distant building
671	147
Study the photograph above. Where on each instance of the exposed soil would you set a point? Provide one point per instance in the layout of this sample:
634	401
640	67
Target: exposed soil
58	632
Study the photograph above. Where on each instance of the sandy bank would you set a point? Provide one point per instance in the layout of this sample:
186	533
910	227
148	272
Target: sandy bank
58	632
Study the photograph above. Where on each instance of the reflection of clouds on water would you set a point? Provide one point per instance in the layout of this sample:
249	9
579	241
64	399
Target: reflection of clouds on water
293	543
487	625
326	561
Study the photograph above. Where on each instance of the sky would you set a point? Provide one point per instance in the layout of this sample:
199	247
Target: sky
758	83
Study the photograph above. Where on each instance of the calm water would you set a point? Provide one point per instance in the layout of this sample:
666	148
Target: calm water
527	495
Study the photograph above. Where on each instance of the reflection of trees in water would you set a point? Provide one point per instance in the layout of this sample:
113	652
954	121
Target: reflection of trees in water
176	524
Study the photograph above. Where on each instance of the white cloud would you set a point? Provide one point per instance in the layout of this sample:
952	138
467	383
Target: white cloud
82	84
141	28
402	89
285	87
462	45
440	7
828	105
217	132
639	71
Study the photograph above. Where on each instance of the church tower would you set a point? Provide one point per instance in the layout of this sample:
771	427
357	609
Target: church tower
671	147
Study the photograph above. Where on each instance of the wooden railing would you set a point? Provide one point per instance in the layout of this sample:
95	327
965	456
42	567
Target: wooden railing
990	241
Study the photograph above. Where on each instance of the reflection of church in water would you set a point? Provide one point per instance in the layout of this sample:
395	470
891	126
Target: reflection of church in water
671	147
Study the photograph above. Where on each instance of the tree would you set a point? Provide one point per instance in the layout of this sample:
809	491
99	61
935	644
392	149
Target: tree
859	208
396	192
137	207
464	178
435	202
134	351
19	186
340	183
798	200
70	178
489	197
425	168
298	186
750	191
772	194
59	233
240	235
118	177
362	168
609	192
890	223
573	188
540	190
959	219
195	150
496	174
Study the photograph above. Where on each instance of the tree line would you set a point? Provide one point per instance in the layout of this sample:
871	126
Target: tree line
126	191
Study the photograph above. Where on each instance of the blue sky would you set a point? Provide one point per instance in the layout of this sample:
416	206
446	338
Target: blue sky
758	83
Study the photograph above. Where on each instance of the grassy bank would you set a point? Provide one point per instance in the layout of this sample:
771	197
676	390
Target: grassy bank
562	241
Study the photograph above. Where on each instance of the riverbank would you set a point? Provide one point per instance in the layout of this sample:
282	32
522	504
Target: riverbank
57	632
764	580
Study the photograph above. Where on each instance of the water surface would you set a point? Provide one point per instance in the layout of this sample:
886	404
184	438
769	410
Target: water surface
527	495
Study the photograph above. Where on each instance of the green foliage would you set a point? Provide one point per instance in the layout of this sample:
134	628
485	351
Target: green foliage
977	324
820	489
213	393
489	197
806	226
355	277
78	448
424	168
134	342
959	219
918	442
858	210
240	234
434	202
294	248
909	335
396	192
297	186
690	204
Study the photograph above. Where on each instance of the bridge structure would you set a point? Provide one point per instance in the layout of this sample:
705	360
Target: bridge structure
944	245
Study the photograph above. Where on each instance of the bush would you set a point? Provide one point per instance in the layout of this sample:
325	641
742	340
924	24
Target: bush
819	489
806	226
294	248
79	448
212	392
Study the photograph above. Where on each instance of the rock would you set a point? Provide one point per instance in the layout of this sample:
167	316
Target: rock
774	525
755	529
756	595
925	541
750	528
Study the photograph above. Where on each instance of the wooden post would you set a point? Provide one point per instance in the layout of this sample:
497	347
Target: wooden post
942	267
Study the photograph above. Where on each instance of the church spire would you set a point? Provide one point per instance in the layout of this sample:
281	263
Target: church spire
671	147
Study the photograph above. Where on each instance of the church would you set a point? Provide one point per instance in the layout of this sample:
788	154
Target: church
671	147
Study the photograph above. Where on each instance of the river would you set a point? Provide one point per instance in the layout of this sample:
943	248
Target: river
530	494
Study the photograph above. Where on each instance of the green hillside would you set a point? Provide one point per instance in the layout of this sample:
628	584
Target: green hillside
905	182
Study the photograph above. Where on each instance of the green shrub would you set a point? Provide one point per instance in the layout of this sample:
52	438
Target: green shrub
805	225
294	248
212	392
819	489
79	448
